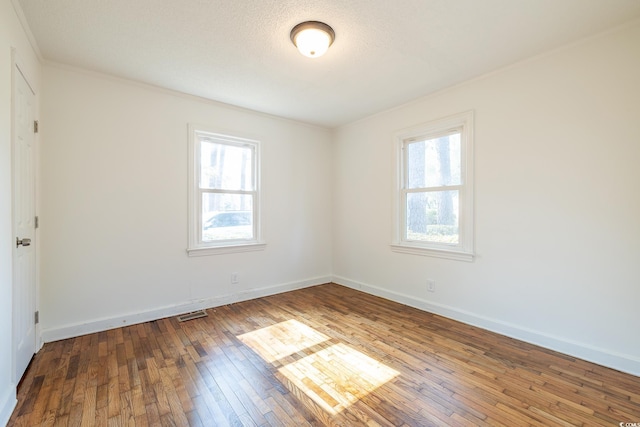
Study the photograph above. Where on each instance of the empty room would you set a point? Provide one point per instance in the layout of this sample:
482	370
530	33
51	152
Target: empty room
308	213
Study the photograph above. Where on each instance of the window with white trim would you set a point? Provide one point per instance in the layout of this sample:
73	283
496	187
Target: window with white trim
433	209
224	196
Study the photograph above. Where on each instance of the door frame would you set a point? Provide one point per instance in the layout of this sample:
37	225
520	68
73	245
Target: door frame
18	66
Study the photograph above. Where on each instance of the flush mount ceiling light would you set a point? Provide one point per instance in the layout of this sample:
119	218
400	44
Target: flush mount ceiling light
312	38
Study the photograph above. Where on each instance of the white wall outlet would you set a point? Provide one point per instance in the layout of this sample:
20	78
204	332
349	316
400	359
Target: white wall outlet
431	285
234	278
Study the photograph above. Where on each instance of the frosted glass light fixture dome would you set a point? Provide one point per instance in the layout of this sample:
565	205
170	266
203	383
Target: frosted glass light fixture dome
312	38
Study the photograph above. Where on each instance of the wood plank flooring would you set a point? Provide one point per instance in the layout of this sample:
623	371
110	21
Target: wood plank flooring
325	355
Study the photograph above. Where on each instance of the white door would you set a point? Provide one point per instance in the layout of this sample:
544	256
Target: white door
24	254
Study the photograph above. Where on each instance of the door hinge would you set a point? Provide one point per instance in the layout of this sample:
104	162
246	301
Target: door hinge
37	222
35	126
37	317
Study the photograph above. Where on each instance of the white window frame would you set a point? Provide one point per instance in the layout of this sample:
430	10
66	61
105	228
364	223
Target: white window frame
196	246
464	250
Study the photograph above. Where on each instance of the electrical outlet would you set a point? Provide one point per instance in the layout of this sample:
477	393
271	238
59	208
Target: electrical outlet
431	285
234	278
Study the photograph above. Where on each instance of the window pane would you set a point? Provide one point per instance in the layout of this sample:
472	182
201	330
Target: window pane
225	167
434	162
227	217
433	217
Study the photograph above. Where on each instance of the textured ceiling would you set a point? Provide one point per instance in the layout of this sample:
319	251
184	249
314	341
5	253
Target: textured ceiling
238	51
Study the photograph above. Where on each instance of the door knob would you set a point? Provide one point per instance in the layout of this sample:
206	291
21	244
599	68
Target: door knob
23	242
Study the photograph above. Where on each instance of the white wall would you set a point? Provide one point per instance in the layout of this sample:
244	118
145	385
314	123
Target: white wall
557	153
11	36
114	205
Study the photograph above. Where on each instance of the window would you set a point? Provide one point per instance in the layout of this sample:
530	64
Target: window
223	193
433	210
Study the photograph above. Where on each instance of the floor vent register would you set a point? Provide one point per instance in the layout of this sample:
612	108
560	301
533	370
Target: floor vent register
193	315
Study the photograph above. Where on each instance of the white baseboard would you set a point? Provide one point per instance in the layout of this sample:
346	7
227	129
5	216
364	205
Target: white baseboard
8	403
620	362
99	325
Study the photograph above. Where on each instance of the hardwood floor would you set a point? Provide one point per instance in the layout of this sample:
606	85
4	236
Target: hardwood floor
325	355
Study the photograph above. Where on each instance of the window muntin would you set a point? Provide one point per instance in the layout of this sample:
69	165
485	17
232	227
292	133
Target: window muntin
434	195
224	197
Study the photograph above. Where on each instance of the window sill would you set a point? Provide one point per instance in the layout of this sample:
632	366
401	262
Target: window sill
231	249
438	253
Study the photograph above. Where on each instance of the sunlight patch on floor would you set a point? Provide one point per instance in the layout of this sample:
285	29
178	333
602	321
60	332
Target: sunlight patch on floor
334	376
282	339
338	376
